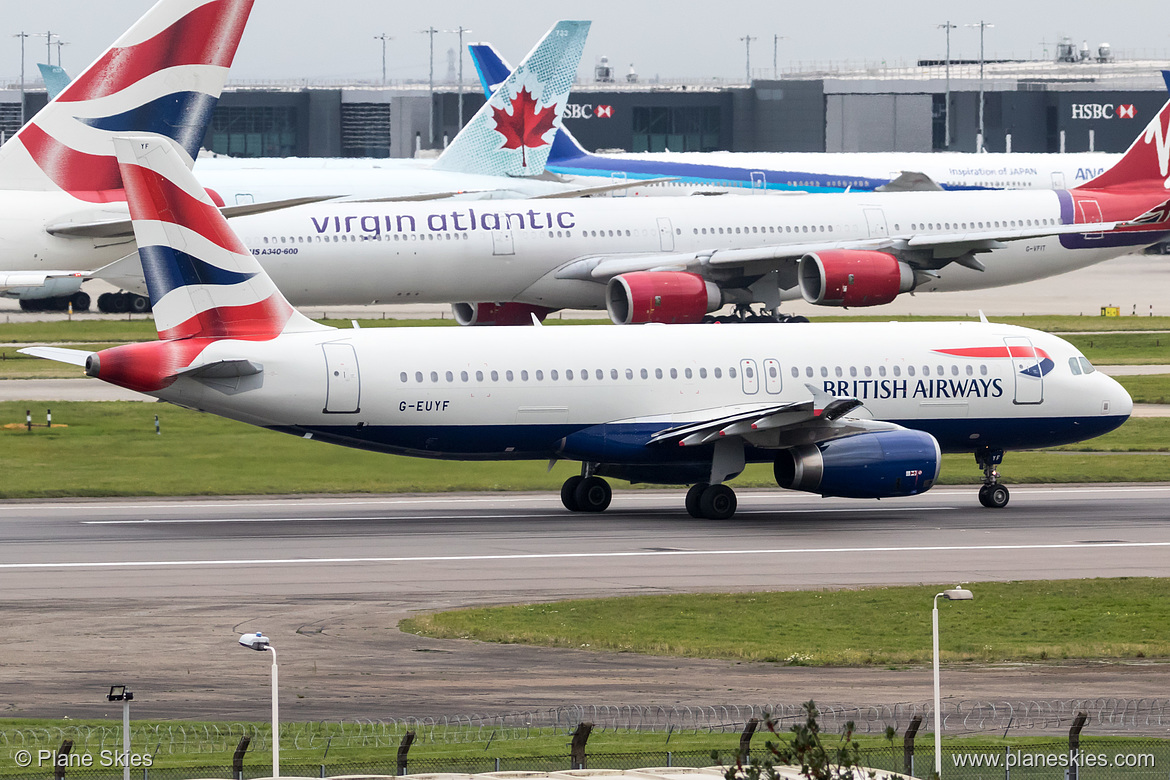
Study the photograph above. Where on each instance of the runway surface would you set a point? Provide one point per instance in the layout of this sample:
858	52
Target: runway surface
156	591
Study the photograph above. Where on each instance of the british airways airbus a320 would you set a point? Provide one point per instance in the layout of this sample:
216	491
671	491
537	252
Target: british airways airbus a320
852	410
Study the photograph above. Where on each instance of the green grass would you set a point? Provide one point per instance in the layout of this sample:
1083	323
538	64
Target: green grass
1148	388
110	449
1123	348
1012	621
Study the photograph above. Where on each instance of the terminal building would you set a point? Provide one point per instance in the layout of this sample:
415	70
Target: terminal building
1078	103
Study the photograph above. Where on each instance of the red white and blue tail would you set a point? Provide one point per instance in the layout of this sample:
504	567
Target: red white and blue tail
203	281
1145	165
163	76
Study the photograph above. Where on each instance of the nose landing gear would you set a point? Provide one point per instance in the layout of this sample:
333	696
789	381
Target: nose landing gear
992	495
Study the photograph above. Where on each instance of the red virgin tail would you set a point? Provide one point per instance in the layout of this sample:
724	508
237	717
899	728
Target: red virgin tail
1145	165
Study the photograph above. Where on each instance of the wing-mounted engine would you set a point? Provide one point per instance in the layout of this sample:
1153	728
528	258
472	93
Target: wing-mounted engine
661	296
881	464
853	277
498	313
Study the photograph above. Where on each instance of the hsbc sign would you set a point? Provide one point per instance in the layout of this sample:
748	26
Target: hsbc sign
1103	111
587	111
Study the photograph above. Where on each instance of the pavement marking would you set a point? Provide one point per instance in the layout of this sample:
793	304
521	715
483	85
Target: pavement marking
202	520
745	494
569	556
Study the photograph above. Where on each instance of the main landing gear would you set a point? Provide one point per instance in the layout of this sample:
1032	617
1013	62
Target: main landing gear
744	313
711	502
992	495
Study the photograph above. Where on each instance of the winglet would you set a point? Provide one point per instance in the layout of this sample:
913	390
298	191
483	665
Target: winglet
512	134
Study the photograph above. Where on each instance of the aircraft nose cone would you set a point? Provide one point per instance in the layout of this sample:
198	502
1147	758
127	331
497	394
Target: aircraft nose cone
1118	399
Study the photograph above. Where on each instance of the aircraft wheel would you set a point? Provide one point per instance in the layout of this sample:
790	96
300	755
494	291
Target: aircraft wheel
139	304
593	495
31	304
994	496
569	493
80	301
796	318
694	495
119	303
717	502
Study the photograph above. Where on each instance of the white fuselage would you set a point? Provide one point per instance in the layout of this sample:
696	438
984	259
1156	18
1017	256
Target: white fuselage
519	250
598	392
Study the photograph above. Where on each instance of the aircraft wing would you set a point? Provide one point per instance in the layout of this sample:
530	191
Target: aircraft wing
778	425
946	248
120	227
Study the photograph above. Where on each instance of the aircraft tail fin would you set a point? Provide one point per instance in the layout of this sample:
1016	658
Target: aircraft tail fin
163	76
493	70
55	78
1146	164
203	281
512	134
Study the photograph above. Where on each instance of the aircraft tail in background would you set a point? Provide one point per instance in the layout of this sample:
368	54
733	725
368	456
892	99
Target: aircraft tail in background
493	70
163	76
512	134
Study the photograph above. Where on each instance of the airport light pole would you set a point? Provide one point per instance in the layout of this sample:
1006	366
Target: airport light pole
947	100
982	28
952	594
776	38
431	108
384	38
60	44
261	643
48	36
747	40
119	693
22	35
460	31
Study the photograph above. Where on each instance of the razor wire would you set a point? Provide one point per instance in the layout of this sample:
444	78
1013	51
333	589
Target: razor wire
1106	715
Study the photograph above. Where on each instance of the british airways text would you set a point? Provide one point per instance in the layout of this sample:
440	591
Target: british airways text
880	389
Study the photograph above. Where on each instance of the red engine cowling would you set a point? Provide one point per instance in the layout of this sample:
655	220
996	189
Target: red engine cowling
498	313
853	277
660	296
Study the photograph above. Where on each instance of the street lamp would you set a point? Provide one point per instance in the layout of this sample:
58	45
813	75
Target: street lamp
261	643
747	40
953	594
982	29
947	100
461	32
119	693
383	38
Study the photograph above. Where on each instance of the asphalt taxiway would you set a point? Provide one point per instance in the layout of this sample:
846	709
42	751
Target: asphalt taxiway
155	592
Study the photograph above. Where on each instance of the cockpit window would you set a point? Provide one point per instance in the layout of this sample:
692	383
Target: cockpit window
1075	365
1086	366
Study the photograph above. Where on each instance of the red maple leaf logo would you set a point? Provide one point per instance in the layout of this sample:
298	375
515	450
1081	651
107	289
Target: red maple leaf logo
525	127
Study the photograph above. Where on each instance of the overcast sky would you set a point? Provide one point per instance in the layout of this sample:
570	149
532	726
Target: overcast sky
333	39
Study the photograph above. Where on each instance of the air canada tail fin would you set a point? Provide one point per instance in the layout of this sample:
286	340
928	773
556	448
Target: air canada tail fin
512	133
203	281
1146	164
163	76
493	70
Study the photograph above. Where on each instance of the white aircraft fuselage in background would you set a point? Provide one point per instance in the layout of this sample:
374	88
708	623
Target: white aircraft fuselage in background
560	254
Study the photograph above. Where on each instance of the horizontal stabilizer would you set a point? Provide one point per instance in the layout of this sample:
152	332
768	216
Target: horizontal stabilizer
601	189
76	357
222	369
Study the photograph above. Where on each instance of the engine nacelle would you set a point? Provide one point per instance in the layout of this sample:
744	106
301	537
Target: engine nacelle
660	296
853	277
498	313
882	464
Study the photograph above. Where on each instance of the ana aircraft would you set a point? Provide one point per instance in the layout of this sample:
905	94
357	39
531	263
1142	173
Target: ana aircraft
63	212
853	410
684	173
678	259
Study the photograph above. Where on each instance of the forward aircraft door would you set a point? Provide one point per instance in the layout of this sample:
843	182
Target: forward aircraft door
665	234
1027	369
1058	180
343	384
759	180
876	220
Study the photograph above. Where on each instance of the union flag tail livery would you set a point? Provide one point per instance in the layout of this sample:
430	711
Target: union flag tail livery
521	119
1145	165
163	76
204	283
